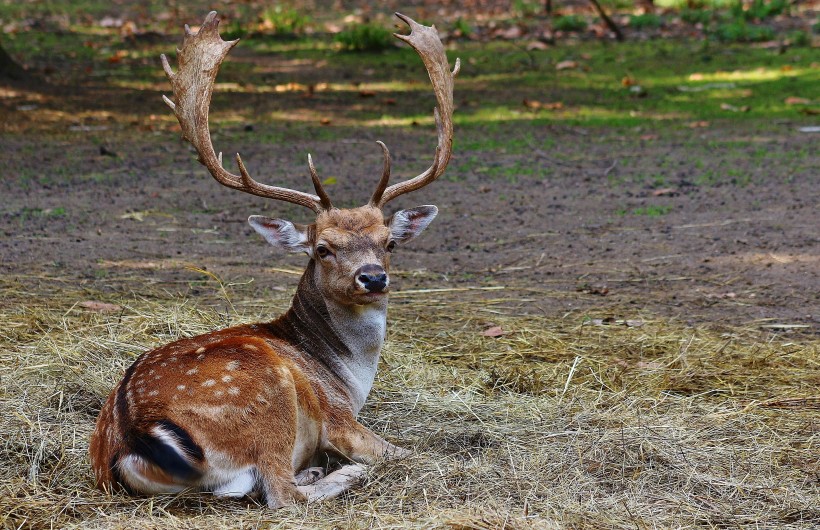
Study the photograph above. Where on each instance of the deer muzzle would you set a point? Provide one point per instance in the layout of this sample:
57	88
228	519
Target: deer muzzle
372	278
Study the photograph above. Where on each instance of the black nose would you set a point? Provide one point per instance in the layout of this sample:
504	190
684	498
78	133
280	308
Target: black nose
372	277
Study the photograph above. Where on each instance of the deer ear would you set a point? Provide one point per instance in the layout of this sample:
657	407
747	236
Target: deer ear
282	234
407	224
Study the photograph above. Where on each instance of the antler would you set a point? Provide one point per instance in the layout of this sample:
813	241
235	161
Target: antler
426	42
199	59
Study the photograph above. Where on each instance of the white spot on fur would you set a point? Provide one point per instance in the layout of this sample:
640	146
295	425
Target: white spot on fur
208	382
233	365
153	393
234	391
250	347
219	393
180	387
227	378
163	364
200	350
192	371
200	356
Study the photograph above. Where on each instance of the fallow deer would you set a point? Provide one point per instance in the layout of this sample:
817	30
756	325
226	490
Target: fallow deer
248	410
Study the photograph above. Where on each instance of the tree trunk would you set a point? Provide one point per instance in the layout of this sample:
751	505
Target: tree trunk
9	69
608	21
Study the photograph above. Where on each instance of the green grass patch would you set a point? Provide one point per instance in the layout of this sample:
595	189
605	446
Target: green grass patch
645	21
570	23
647	211
365	38
740	31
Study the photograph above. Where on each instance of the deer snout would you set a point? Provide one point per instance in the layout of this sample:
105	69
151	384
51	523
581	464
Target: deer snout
372	278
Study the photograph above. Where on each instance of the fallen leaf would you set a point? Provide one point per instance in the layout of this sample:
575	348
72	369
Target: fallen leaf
495	331
796	101
537	45
329	181
566	65
510	33
697	124
325	121
733	108
136	216
102	307
696	77
664	191
628	81
390	101
118	56
786	68
647	137
367	93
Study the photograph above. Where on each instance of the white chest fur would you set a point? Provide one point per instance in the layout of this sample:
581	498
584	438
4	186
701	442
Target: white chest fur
362	328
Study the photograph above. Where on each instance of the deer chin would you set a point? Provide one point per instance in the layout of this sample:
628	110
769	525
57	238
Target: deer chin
360	297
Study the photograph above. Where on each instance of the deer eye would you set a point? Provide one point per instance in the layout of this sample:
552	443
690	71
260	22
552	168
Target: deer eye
391	246
322	251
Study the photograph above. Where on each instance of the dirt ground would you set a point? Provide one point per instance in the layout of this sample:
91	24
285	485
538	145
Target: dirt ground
567	242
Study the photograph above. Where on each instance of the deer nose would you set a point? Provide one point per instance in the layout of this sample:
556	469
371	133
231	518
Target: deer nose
372	277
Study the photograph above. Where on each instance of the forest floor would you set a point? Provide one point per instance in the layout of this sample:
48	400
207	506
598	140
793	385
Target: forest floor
612	321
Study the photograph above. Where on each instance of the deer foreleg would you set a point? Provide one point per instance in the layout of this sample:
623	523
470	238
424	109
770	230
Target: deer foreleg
334	484
360	444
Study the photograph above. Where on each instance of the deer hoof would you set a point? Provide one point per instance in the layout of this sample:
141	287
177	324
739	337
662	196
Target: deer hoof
309	476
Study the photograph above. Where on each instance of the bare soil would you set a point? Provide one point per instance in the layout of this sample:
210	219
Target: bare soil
98	190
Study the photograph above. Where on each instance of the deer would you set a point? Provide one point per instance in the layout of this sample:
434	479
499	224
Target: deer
253	410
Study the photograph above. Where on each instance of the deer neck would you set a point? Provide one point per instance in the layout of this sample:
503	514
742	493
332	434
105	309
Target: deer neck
347	339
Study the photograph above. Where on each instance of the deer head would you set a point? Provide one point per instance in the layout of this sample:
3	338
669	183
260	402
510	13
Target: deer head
349	248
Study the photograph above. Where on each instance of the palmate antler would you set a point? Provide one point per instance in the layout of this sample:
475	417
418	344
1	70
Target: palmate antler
199	59
426	42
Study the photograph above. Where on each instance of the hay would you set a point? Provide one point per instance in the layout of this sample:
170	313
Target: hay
578	422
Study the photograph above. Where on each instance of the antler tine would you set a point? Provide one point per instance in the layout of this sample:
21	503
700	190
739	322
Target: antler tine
317	185
426	42
199	59
375	200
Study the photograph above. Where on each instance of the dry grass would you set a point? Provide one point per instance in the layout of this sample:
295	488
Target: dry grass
558	423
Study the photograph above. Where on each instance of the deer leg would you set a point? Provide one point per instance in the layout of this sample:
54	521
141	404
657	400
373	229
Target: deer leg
279	486
358	443
334	484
